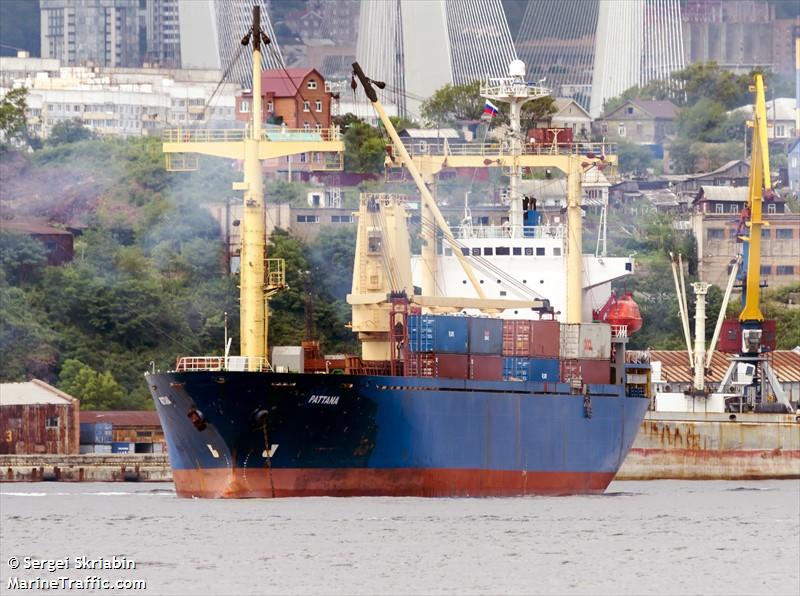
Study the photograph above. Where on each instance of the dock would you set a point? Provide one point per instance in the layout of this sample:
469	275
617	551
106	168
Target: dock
94	467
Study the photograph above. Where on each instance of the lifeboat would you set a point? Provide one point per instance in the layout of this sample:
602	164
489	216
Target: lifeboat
621	310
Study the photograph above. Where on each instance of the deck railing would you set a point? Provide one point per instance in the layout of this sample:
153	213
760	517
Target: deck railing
206	135
221	363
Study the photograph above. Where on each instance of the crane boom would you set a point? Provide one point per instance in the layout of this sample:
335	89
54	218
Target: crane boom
759	180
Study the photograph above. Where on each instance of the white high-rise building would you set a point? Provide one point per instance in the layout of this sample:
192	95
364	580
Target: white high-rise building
418	47
211	33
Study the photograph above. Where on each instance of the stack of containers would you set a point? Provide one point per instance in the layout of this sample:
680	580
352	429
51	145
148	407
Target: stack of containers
455	347
586	352
95	437
531	350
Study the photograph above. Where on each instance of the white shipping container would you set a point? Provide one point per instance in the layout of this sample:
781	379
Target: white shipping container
97	448
585	341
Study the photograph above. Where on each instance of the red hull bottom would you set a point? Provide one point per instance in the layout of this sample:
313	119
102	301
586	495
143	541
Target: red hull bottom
241	483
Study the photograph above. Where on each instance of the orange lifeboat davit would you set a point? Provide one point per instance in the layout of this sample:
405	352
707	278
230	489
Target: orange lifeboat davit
621	310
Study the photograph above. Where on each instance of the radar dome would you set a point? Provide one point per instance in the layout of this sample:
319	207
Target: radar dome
516	68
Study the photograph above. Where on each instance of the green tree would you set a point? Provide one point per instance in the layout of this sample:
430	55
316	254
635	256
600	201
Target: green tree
13	124
95	390
633	158
455	103
21	257
364	148
69	131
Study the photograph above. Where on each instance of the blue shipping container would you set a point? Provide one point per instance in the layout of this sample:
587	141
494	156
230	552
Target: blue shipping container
95	433
516	368
451	334
420	333
122	448
485	335
544	369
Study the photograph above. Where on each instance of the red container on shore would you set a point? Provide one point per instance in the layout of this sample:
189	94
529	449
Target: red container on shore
594	372
452	366
545	339
516	337
485	368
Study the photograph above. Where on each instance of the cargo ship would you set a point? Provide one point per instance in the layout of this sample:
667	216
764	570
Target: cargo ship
446	398
744	426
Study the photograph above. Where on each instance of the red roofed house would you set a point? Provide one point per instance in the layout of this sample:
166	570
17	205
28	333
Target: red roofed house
295	96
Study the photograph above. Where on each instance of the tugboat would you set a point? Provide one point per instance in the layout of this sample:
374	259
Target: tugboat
440	403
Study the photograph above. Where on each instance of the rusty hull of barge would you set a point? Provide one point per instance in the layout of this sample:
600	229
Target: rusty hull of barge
698	446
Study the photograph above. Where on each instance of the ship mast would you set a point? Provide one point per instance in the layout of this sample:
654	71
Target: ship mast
260	277
514	91
254	322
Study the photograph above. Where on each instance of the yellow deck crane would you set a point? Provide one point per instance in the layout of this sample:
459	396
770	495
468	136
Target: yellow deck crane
260	277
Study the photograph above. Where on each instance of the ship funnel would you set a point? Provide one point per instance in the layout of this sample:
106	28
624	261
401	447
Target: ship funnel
516	68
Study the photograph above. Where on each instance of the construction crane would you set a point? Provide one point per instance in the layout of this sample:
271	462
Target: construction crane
750	372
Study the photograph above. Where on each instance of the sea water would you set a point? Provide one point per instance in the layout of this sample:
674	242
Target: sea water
660	537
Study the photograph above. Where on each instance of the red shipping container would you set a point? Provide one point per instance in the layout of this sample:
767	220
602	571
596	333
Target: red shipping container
452	366
486	368
516	337
422	364
545	339
594	372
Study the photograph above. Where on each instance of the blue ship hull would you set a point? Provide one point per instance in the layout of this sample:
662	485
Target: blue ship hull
252	434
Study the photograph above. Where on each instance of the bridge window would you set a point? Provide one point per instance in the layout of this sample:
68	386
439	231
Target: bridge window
528	251
517	251
539	251
488	252
476	252
557	251
502	251
465	251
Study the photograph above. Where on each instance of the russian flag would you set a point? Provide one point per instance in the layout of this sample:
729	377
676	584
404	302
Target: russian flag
489	109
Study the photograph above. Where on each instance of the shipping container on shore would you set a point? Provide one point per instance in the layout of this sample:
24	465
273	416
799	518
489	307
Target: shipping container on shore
580	341
120	447
98	448
96	433
485	367
545	339
485	335
589	371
